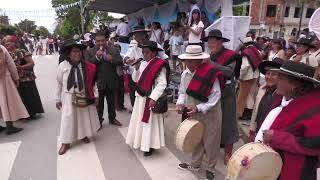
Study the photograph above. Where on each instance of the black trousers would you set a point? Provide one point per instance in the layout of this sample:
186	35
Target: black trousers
120	93
132	89
109	95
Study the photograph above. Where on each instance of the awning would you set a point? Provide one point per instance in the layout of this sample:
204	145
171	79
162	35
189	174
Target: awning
122	6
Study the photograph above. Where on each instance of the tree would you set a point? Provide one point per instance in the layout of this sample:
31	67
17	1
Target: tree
26	26
8	30
41	31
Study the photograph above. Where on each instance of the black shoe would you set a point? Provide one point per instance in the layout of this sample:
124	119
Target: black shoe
209	175
186	166
101	119
149	153
13	130
2	128
115	122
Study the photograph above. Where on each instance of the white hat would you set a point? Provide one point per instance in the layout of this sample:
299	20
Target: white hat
314	24
87	36
247	40
194	52
133	43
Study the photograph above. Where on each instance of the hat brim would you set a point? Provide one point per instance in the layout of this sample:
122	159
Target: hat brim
296	75
151	48
205	39
308	45
199	56
137	31
268	65
67	47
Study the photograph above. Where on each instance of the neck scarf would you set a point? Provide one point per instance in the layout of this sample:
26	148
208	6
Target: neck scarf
273	114
71	78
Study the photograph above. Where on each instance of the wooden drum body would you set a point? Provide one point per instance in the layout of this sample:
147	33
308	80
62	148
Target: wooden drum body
254	161
188	135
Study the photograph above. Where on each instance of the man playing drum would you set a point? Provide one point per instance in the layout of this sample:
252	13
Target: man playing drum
200	93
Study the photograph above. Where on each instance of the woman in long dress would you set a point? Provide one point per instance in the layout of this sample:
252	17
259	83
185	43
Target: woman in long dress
11	106
28	89
146	127
75	97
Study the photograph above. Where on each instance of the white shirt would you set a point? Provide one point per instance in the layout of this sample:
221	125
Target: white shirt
123	29
193	38
176	42
133	52
271	117
156	36
213	98
246	71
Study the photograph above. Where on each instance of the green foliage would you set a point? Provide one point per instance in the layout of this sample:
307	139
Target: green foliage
26	26
41	31
8	30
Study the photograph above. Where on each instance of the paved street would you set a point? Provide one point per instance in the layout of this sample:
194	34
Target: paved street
32	153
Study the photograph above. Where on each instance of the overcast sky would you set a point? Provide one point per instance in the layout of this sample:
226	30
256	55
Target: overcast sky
39	11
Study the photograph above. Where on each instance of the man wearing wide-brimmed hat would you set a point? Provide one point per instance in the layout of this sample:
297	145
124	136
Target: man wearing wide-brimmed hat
200	94
303	46
292	125
249	73
225	60
146	131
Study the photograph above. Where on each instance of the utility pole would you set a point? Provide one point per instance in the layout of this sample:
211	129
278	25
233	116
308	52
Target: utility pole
82	14
300	22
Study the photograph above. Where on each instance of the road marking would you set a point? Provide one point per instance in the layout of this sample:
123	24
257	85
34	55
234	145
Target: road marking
81	162
8	153
162	165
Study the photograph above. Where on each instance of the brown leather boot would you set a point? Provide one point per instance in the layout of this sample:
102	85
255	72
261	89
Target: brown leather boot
64	148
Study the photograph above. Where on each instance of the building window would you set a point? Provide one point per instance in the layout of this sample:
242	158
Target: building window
309	12
297	12
286	13
271	10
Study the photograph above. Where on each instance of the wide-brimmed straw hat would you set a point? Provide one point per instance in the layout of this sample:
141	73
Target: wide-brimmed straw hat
298	70
270	65
139	28
70	43
216	33
194	52
305	41
153	46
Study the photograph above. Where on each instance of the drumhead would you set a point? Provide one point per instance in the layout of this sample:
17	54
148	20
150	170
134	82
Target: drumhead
189	135
254	161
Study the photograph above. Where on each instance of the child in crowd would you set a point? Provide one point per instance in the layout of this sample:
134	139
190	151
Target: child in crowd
176	41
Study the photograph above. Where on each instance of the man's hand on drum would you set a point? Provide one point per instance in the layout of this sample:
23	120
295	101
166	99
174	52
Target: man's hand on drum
179	108
192	111
267	136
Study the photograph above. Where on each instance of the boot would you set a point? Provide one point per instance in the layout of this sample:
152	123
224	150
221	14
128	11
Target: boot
115	122
11	129
86	140
149	153
2	128
64	148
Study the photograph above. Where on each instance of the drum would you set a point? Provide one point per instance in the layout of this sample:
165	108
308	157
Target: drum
188	135
254	161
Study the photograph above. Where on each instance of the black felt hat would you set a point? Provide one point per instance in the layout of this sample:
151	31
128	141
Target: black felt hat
216	33
139	29
70	43
153	46
305	41
270	65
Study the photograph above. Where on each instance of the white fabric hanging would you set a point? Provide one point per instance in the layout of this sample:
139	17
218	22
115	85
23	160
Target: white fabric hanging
314	23
273	114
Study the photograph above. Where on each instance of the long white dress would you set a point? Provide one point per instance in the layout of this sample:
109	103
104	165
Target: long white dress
147	135
76	123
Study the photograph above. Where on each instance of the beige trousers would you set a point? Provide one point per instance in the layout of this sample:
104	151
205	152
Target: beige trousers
244	90
210	143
